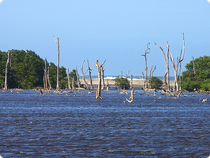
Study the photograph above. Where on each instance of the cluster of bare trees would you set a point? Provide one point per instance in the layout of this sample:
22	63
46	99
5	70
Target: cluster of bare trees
176	66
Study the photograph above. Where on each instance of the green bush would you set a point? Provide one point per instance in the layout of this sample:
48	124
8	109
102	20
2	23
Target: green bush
122	83
155	82
201	79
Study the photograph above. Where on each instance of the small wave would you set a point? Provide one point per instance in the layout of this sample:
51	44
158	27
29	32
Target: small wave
109	77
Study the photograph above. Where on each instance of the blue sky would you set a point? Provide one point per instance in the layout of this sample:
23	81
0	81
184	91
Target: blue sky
113	30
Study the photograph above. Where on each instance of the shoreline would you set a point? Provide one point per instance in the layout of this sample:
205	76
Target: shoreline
136	82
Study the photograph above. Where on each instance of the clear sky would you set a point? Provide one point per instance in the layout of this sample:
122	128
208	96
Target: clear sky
113	30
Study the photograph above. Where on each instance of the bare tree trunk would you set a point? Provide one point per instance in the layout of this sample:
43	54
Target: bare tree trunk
168	76
175	71
179	60
121	74
107	85
153	71
194	68
45	74
69	85
73	86
98	92
131	83
150	75
57	42
91	85
143	79
6	70
103	84
78	82
127	73
131	97
179	83
167	65
83	75
48	77
147	51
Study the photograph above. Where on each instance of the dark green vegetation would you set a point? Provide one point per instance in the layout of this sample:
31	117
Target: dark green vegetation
122	83
26	70
155	82
201	79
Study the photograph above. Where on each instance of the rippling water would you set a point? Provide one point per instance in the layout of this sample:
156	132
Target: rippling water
75	125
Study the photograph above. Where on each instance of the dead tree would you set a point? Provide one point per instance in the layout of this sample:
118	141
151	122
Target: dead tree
194	67
131	97
57	42
127	73
91	85
48	77
175	67
83	75
73	86
45	74
147	51
102	75
78	82
166	84
131	83
69	85
98	92
152	71
107	85
183	49
143	79
6	70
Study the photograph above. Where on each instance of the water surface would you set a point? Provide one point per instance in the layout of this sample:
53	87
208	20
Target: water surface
78	125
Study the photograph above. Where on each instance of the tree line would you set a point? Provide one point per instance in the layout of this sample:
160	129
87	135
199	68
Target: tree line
26	70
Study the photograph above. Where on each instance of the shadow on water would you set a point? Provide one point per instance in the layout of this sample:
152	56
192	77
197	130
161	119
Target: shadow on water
78	125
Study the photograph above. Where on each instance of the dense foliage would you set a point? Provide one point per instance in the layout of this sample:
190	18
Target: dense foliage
26	70
201	79
122	83
155	82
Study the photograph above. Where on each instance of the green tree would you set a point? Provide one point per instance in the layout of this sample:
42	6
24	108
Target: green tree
122	83
26	70
155	82
201	78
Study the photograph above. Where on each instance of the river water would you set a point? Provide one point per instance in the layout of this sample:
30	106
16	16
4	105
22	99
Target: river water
78	125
